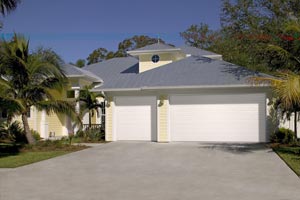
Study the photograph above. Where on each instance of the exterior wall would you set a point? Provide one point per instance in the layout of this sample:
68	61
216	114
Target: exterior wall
290	124
147	64
56	123
109	120
33	119
163	119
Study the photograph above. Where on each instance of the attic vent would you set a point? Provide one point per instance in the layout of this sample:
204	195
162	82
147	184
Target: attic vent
155	58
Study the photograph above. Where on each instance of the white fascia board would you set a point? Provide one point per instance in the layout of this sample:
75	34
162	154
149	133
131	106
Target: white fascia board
179	87
116	89
135	53
205	86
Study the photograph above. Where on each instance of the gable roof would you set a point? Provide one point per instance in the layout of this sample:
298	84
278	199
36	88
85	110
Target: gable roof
157	47
193	71
72	71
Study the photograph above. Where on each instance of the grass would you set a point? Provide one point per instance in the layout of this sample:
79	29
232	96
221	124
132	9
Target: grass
26	158
83	140
12	155
291	156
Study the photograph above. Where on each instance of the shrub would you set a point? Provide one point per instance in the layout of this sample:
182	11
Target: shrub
12	132
90	135
283	136
35	135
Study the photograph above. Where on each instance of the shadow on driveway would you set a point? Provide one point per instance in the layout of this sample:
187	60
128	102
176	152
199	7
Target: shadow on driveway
235	148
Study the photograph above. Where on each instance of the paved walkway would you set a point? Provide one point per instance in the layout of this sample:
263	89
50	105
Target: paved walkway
153	171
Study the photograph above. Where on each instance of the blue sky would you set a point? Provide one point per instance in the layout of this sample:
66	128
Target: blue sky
74	28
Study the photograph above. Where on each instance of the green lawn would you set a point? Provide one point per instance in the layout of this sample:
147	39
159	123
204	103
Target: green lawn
13	155
291	156
26	158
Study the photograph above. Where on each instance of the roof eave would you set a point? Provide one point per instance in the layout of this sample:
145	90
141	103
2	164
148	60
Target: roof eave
89	78
178	87
140	52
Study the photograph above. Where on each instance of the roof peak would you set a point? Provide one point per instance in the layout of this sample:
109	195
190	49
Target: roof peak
157	47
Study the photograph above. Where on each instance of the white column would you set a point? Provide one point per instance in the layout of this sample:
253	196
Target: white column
77	107
44	126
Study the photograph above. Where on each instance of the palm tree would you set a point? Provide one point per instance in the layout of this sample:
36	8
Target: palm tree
89	103
31	80
286	87
285	54
8	5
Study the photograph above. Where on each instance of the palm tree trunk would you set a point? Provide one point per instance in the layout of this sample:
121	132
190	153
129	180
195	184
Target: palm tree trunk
295	124
28	135
90	119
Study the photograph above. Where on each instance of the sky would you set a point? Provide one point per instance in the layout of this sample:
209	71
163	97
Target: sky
74	28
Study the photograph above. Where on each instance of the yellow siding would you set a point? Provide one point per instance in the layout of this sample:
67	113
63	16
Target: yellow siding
56	123
163	119
38	121
147	64
94	118
32	119
109	120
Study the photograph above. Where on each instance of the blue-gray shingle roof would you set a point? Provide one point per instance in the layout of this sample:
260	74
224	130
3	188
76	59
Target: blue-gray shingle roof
193	71
73	71
196	51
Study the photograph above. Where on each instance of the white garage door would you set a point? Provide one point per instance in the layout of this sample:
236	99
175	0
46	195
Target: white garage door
135	118
218	118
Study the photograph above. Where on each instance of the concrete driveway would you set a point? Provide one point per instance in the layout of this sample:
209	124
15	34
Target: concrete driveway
141	170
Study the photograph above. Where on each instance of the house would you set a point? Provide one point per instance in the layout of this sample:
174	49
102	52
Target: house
164	93
58	125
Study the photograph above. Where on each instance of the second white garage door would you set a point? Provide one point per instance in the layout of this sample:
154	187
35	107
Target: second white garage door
135	118
219	118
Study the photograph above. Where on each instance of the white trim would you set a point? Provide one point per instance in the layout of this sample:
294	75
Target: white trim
139	52
180	87
168	120
114	130
157	120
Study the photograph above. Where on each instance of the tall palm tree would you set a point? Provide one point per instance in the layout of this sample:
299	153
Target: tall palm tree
286	87
8	5
89	103
31	79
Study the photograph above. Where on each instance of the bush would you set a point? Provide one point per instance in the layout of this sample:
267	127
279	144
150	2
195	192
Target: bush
90	135
35	135
12	132
283	136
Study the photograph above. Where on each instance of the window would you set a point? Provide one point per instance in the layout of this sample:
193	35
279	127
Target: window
4	114
70	94
155	58
28	113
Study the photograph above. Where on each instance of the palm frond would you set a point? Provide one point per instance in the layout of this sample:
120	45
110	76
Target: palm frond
286	87
59	106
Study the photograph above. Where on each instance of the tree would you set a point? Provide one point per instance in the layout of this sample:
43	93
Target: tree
128	44
249	26
199	36
89	103
6	6
31	79
80	63
286	87
97	56
135	42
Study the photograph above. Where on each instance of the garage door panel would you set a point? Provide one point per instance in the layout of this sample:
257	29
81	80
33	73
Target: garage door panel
224	118
135	118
